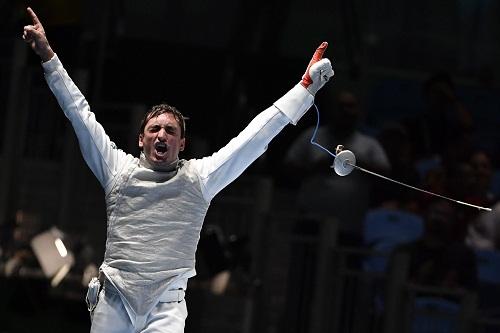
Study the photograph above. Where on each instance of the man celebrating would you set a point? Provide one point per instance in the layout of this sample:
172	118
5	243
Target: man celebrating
156	203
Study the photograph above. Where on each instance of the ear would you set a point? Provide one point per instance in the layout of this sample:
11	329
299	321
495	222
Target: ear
182	144
141	144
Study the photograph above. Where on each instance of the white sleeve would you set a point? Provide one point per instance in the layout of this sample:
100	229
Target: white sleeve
101	155
224	166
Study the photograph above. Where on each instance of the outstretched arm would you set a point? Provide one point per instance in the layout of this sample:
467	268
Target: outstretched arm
34	35
220	169
101	155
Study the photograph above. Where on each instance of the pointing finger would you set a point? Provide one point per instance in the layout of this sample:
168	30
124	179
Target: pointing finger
33	16
318	55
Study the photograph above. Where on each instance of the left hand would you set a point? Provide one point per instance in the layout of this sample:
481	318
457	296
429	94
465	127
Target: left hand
318	72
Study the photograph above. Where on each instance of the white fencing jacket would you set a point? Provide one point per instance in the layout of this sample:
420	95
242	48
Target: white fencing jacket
155	216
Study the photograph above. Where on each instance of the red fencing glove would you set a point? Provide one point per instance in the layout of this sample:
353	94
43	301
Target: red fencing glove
318	72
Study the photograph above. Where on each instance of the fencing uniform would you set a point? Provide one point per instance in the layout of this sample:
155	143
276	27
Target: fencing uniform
155	214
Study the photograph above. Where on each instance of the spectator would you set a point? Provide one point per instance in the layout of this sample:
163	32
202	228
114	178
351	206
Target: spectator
438	259
323	194
444	126
482	171
484	231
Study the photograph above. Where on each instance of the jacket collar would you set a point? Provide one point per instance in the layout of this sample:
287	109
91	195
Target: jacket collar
143	161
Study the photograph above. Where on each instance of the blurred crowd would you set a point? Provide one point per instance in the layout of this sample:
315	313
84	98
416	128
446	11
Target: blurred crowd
450	245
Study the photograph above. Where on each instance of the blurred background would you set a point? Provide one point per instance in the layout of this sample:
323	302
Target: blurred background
290	246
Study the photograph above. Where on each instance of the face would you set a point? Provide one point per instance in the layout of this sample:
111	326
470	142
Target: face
161	140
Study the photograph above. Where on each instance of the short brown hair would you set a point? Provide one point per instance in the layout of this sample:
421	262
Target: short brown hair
159	109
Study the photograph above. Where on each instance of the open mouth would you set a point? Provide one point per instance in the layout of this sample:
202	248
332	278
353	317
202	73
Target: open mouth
161	148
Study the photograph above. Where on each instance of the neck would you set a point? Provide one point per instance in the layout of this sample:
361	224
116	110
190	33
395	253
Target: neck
163	167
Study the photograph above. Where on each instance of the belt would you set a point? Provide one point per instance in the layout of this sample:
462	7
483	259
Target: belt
170	296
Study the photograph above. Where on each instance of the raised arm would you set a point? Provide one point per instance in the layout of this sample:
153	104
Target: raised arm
101	155
220	169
